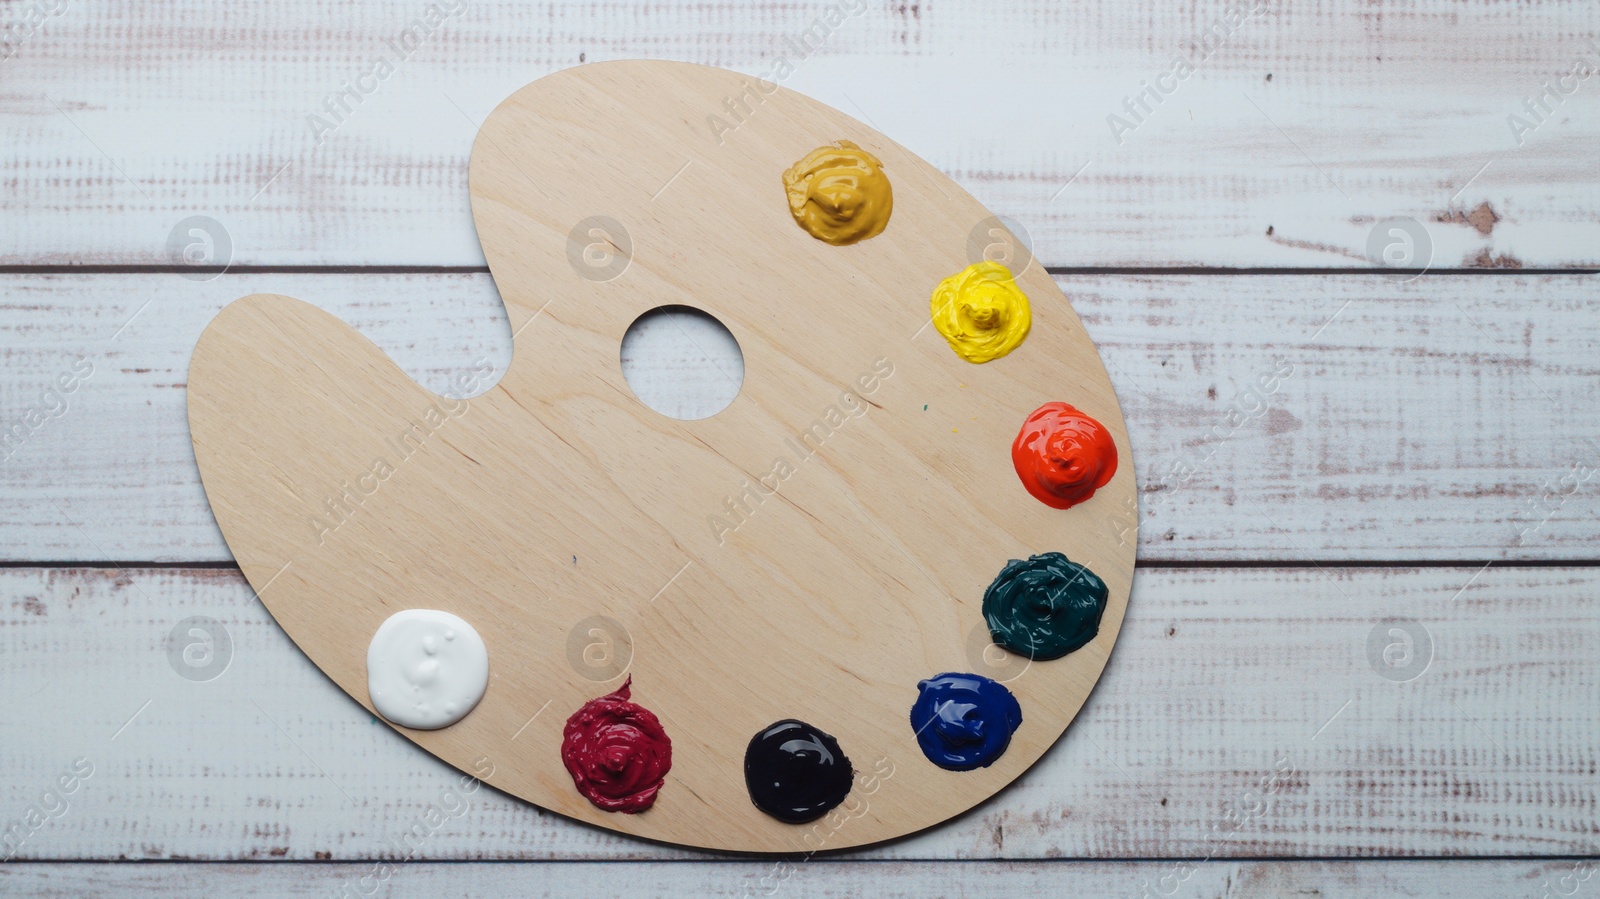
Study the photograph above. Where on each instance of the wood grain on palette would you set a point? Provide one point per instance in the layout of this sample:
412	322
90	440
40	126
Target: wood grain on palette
829	602
1301	130
1233	675
1431	419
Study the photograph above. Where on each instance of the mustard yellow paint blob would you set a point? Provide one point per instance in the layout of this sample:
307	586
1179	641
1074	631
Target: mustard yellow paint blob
839	194
981	312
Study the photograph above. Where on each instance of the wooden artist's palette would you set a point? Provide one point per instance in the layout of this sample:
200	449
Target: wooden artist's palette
576	529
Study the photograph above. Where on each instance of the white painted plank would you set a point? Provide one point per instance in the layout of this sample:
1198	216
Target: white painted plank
890	880
1296	132
1444	418
1245	713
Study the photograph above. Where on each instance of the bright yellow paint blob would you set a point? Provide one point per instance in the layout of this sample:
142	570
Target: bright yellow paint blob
839	194
981	312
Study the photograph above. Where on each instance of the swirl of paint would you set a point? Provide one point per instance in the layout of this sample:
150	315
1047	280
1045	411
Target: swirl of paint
1045	607
981	312
795	772
1063	456
839	194
964	721
617	752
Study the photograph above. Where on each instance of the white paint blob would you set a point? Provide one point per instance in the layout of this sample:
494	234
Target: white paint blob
426	669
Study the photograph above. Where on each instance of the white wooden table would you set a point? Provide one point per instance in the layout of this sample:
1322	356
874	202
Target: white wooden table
1362	654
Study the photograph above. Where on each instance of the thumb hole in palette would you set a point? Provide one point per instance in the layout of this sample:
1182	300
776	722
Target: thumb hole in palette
682	362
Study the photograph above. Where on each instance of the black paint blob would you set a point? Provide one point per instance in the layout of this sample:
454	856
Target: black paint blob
795	772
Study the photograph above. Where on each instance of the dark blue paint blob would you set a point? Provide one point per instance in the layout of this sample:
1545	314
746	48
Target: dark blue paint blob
795	772
964	721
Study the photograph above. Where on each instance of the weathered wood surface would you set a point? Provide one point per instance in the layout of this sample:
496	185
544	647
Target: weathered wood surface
890	879
1298	130
1449	419
1243	715
1442	418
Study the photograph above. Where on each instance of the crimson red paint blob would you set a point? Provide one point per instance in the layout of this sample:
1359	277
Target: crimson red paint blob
1063	456
617	752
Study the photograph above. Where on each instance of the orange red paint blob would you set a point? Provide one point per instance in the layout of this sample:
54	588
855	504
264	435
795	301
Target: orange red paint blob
1063	456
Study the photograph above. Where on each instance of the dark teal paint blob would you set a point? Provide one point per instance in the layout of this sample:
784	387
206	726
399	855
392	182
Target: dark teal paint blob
1045	607
964	721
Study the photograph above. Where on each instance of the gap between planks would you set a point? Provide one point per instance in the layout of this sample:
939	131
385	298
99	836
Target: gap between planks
832	856
1145	270
1163	564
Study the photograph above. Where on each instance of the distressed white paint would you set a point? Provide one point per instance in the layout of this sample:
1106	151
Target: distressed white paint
1305	127
1434	419
891	880
1241	715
